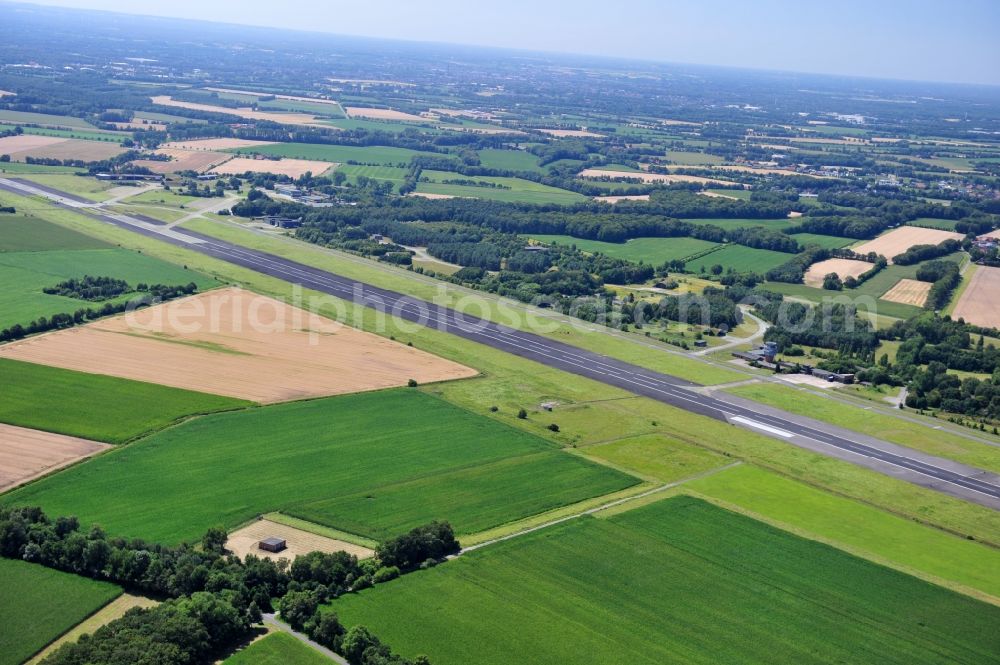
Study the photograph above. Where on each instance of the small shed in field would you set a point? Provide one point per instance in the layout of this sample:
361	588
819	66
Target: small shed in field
272	544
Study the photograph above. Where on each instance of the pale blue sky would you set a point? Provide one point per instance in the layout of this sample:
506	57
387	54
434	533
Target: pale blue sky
953	40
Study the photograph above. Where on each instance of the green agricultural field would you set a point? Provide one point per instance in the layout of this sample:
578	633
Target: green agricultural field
649	250
656	457
278	649
678	580
39	604
740	259
724	223
383	155
509	189
20	233
94	406
24	117
855	526
826	242
391	126
514	160
316	108
88	188
96	135
26	273
933	441
393	174
21	167
933	223
378	462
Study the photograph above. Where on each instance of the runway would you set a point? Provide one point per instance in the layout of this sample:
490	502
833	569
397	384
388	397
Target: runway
926	470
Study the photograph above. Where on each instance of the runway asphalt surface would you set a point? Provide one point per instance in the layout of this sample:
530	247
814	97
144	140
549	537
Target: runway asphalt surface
959	480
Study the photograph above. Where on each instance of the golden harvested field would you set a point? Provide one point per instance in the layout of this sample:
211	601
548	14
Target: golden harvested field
7	93
244	541
717	195
899	240
303	119
25	143
240	344
980	302
765	170
293	168
617	199
582	133
908	292
213	144
381	114
992	234
184	160
54	147
26	454
646	177
843	267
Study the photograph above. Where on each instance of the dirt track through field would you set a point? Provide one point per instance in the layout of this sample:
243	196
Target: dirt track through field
843	267
908	292
240	344
980	302
244	541
26	454
899	240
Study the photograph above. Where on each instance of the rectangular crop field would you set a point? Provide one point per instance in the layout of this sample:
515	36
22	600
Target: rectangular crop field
26	454
507	189
980	302
855	525
778	224
514	160
21	233
26	273
843	268
379	462
39	604
338	153
293	168
236	343
740	259
44	119
899	240
66	402
827	242
651	250
678	580
909	292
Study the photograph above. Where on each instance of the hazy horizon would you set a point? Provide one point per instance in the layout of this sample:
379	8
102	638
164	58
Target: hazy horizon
918	41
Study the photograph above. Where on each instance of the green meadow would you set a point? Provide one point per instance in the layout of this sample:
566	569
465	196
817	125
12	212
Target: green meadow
649	250
740	259
94	406
679	580
39	604
378	462
506	189
277	649
26	273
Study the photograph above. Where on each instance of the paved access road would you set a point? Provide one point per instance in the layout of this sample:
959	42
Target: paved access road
944	475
